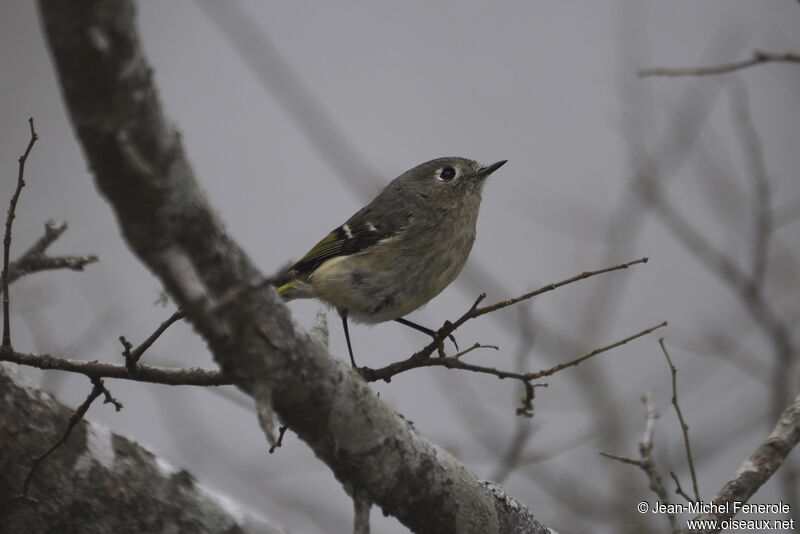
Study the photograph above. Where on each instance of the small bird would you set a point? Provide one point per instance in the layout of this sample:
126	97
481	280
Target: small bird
399	251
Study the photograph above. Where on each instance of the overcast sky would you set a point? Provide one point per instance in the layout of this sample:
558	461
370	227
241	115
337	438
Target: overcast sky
295	114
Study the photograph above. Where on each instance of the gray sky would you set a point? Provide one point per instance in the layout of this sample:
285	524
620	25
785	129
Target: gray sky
290	141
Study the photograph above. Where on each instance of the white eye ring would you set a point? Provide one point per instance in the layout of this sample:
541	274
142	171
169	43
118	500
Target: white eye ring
446	174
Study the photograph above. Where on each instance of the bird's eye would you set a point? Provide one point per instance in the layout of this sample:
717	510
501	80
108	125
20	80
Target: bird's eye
447	174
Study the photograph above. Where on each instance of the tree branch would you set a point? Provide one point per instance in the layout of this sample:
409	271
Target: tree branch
98	388
684	427
446	331
421	359
142	170
758	58
190	376
7	239
35	260
132	356
761	464
98	480
646	462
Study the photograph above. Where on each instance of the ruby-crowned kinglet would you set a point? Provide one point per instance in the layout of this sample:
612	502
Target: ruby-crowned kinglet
399	251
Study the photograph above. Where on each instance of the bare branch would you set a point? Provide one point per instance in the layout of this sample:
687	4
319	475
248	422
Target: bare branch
474	347
417	359
595	352
7	239
646	462
141	168
753	152
98	388
48	263
684	426
743	286
35	259
421	359
190	376
452	362
623	459
646	452
279	441
550	287
679	488
132	356
760	466
758	58
151	492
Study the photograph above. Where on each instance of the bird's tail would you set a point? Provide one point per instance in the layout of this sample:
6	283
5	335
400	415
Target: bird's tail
287	290
286	283
294	288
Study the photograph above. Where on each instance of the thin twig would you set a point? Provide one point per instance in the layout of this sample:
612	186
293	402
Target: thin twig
420	359
51	234
550	287
451	362
762	235
98	388
646	452
753	151
525	408
595	352
646	462
35	260
758	58
620	458
515	446
107	397
474	347
678	488
684	427
7	240
186	376
132	356
750	294
278	442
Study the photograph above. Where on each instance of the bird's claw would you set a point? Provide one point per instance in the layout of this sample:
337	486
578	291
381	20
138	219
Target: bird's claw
441	336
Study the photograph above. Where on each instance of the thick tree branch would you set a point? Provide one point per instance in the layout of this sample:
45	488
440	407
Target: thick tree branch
761	465
141	168
97	481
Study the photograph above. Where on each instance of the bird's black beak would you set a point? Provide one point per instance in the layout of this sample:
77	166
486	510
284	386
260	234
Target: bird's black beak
489	169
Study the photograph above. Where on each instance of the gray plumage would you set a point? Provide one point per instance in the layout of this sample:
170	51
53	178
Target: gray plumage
402	249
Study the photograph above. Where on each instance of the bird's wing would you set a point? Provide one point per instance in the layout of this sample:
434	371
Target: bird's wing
359	233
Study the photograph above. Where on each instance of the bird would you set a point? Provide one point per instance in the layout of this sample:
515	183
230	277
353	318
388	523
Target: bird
399	251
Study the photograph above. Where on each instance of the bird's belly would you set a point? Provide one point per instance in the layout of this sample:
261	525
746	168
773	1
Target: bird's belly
373	288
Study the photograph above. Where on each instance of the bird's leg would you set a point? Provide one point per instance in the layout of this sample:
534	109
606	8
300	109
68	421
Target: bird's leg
435	335
343	315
